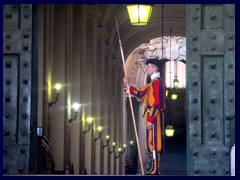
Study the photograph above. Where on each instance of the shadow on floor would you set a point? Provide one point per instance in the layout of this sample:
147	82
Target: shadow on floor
174	160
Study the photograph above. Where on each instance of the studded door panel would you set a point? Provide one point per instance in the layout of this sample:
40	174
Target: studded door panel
211	87
17	47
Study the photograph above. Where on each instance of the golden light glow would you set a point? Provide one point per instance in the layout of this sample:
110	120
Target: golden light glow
99	128
175	82
58	86
89	120
76	106
113	144
139	14
174	96
119	149
124	145
166	93
107	137
169	131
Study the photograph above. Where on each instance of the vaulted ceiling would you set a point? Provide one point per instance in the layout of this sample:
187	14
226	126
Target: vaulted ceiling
174	16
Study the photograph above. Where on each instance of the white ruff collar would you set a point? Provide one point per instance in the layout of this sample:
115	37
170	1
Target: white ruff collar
153	76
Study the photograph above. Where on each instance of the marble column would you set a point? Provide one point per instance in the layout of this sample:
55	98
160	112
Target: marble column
102	35
91	73
109	51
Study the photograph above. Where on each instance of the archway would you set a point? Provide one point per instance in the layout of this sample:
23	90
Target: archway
175	149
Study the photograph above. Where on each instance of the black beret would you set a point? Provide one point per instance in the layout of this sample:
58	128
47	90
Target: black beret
156	62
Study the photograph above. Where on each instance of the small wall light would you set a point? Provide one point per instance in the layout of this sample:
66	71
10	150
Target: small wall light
99	129
124	148
89	121
57	92
107	141
131	144
120	151
75	106
113	147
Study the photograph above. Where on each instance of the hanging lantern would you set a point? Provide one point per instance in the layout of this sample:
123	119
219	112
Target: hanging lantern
175	82
139	14
169	131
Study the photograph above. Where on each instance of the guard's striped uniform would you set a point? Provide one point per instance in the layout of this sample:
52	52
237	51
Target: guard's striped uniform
153	95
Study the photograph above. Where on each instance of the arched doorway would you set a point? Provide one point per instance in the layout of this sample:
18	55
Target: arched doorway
173	161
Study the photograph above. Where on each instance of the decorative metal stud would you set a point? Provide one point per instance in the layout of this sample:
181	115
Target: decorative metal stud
7	116
25	65
213	153
24	116
195	134
6	133
227	153
213	171
212	82
24	134
230	48
7	47
25	81
8	36
194	101
5	151
213	48
230	36
26	16
22	151
7	99
194	66
8	15
213	17
230	65
194	48
195	83
196	171
213	135
195	17
25	99
231	83
8	64
26	35
195	153
25	47
212	66
195	38
8	82
20	170
195	117
212	117
213	36
212	100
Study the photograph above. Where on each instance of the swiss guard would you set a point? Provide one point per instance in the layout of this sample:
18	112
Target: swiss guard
153	96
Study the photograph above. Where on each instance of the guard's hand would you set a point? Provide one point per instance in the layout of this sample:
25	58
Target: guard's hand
125	80
149	125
